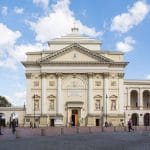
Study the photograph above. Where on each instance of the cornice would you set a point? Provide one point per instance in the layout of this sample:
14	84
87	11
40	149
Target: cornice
136	82
109	64
13	108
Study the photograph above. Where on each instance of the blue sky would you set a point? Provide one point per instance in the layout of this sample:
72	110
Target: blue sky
27	25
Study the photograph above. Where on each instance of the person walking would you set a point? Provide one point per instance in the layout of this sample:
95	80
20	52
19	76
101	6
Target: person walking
31	125
13	126
130	125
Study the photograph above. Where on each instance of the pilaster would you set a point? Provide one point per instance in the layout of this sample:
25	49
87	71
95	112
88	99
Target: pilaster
121	92
43	107
28	94
128	99
141	99
59	102
105	94
90	93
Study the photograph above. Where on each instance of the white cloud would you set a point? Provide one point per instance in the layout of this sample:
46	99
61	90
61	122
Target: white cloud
43	3
18	10
4	11
58	23
7	41
20	95
126	45
8	37
19	51
11	53
135	15
18	100
9	99
8	63
148	77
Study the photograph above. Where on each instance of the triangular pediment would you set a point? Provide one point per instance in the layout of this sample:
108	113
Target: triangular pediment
75	54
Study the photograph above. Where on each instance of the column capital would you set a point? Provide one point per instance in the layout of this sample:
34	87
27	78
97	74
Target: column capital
121	75
106	74
43	75
59	74
28	75
90	74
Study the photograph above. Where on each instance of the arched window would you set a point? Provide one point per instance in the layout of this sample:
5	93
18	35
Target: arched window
134	99
51	105
146	99
98	100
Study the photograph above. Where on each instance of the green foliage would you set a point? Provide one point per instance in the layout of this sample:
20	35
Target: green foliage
4	102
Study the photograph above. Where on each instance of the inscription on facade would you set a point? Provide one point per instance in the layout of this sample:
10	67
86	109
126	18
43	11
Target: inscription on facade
74	93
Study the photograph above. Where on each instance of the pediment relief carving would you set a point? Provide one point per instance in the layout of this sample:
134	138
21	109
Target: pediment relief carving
75	53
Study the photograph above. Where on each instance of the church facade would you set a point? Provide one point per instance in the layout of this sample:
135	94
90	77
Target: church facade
75	82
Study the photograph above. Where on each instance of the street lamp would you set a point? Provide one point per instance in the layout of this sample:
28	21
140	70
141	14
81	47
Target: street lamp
34	110
106	107
102	116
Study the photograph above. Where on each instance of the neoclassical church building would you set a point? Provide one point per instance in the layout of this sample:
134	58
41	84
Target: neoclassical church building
75	82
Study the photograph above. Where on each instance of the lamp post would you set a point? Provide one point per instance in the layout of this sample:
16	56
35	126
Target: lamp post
34	110
106	107
102	116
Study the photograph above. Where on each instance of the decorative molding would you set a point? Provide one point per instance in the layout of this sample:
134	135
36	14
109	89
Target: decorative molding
98	57
121	75
105	74
28	75
44	75
90	74
59	74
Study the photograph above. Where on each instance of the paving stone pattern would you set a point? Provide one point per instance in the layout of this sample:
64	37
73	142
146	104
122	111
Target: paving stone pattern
95	141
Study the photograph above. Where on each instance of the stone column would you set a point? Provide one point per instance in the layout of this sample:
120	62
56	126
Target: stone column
43	107
105	96
121	93
59	103
90	93
141	99
141	119
29	100
129	101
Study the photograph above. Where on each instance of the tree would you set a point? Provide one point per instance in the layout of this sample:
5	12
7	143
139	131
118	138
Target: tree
4	102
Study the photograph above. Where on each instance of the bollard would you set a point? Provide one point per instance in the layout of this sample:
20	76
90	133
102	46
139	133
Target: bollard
77	130
62	131
43	132
125	129
90	130
18	135
114	129
102	129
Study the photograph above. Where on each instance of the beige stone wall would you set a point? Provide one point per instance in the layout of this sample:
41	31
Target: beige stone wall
7	111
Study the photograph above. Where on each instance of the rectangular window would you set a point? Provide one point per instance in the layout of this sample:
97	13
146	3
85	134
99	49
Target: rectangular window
51	83
51	105
36	83
97	105
97	83
113	104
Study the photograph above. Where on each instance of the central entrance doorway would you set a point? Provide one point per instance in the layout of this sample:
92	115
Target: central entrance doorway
75	117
